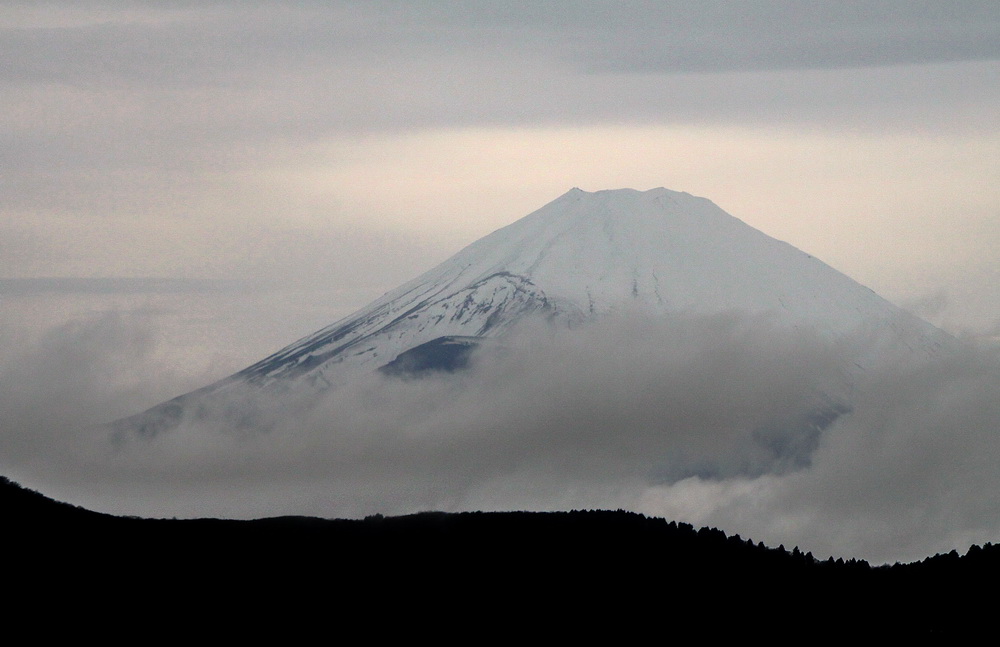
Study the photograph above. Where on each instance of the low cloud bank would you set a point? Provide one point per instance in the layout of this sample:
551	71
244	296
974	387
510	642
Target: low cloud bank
728	420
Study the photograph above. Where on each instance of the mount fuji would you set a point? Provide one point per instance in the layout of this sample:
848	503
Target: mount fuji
581	258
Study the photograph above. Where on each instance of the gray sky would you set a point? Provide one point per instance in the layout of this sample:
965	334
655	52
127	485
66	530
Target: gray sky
219	178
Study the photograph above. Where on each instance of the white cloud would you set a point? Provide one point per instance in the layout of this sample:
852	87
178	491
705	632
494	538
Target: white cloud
699	419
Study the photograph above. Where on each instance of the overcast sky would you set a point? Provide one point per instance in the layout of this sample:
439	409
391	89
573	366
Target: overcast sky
225	177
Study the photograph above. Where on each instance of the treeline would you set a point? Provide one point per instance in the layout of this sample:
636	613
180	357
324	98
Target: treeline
597	560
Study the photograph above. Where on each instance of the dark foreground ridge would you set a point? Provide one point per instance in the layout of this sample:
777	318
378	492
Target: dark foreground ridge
612	561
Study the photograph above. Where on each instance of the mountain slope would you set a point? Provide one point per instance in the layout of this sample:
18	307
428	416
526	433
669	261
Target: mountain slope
586	254
580	257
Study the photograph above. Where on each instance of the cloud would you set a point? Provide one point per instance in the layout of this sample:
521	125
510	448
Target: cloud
223	41
111	285
927	306
540	422
128	129
223	72
69	379
786	35
716	420
906	474
189	114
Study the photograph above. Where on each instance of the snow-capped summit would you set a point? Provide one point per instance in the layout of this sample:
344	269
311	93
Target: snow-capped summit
585	254
580	256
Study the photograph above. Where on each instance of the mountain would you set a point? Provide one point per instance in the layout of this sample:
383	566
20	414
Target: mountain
581	257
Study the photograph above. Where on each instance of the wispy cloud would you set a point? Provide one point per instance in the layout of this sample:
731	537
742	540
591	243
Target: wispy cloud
709	420
112	285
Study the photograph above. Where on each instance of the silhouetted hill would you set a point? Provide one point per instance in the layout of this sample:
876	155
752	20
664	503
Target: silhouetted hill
598	561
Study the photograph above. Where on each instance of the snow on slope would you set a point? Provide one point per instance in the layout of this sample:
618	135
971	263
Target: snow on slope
587	254
582	256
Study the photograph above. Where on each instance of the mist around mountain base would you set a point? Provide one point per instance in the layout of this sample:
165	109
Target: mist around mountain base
729	420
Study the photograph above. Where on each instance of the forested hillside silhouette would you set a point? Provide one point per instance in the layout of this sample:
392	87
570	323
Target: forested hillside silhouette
598	559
